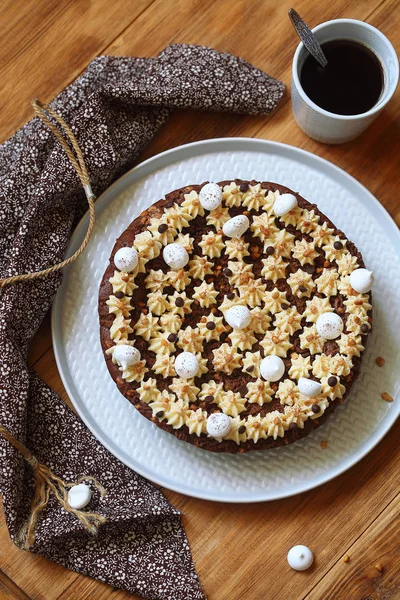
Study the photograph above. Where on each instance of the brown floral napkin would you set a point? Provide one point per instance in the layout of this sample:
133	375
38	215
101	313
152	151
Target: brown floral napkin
115	108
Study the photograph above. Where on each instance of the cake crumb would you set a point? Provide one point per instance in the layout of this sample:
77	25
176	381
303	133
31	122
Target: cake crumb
379	567
380	361
386	397
324	443
346	558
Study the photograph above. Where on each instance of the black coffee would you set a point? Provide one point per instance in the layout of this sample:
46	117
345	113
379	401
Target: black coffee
350	84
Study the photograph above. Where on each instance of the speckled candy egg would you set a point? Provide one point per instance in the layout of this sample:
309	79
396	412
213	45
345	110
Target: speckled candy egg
300	558
284	204
238	317
309	387
79	496
126	259
272	368
210	196
236	227
362	280
218	425
126	356
329	326
186	365
176	256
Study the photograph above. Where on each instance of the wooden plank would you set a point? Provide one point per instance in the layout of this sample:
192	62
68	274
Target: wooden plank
41	341
85	588
360	577
45	44
37	577
10	591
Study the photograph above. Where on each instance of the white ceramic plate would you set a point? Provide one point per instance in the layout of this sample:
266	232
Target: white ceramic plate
356	426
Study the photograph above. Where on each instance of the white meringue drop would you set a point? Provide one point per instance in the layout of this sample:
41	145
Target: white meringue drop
236	227
300	558
218	425
329	325
284	204
176	256
309	387
79	496
210	196
126	259
362	280
126	356
186	365
238	317
272	368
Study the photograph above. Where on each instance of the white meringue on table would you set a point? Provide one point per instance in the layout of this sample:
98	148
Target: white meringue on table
79	496
238	317
300	558
126	356
362	280
309	387
272	368
176	256
284	204
186	365
236	227
218	425
210	196
126	259
329	325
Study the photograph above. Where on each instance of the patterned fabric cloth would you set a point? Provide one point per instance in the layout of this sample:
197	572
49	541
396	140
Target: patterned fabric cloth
115	108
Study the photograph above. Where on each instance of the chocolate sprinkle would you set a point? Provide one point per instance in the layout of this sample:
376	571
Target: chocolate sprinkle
172	338
242	429
270	250
285	306
231	296
179	302
119	295
160	414
364	328
227	272
244	187
315	408
169	204
210	325
302	288
162	228
338	245
250	369
209	399
332	381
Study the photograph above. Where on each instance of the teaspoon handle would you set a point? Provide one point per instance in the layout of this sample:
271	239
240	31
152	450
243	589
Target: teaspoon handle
307	37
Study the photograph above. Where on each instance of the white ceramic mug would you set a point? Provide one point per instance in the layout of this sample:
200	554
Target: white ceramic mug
328	127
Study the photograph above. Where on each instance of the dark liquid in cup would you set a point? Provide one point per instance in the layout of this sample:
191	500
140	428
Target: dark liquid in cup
350	84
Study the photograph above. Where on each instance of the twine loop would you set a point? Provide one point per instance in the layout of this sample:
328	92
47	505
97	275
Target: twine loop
78	162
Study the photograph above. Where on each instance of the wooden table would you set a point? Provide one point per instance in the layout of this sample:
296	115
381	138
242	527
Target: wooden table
240	550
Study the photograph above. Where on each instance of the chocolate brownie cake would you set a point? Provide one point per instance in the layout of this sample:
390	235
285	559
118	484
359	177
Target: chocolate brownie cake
235	315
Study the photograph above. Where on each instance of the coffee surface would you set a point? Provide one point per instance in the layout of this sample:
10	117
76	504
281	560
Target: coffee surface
350	84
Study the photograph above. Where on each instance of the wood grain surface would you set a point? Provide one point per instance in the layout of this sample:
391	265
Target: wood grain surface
239	550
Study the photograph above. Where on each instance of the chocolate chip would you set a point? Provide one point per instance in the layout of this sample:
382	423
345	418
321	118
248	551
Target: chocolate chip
209	399
338	245
364	328
250	369
293	427
169	204
231	296
119	295
227	272
248	260
332	381
315	408
172	338
310	269
270	250
179	302
302	288
210	325
242	429
244	187
243	390
224	335
285	306
160	414
162	228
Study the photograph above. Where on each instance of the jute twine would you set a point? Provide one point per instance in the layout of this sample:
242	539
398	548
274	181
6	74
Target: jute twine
79	165
45	481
